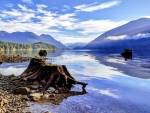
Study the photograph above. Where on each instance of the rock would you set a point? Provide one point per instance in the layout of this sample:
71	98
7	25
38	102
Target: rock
1	75
48	92
1	110
45	96
51	95
34	99
1	101
52	89
34	86
34	91
1	98
36	96
12	75
24	74
35	83
24	79
25	98
15	78
26	104
56	91
5	101
4	109
22	90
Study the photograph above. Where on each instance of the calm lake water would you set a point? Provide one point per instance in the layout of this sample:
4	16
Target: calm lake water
114	85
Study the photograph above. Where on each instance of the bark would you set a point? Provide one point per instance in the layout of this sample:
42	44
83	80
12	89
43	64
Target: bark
49	75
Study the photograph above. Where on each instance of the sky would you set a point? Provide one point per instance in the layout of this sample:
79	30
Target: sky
70	21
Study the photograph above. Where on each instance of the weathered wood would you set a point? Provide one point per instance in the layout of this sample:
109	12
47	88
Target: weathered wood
127	54
42	53
49	75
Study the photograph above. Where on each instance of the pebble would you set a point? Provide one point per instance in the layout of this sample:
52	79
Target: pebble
22	90
45	96
56	91
10	103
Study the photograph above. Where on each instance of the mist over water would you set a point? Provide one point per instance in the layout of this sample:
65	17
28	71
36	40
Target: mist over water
114	85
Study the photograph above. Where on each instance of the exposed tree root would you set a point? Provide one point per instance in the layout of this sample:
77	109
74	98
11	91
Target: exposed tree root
49	75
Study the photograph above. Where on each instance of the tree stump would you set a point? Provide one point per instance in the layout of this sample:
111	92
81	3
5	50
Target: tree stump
49	75
43	53
127	54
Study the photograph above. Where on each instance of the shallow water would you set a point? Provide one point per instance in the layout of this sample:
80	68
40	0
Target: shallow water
114	85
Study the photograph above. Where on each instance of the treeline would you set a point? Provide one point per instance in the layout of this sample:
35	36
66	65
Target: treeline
10	46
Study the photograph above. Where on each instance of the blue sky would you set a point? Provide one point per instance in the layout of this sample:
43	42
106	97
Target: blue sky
70	21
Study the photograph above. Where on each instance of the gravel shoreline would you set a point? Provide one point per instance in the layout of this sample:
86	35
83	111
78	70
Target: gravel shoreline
10	102
15	95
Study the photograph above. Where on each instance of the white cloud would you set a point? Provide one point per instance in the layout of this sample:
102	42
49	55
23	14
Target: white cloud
66	7
96	6
145	16
23	8
95	26
73	39
41	5
43	21
28	1
13	26
22	21
109	92
12	13
17	16
126	37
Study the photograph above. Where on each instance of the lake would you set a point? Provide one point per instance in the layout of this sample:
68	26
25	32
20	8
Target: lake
114	85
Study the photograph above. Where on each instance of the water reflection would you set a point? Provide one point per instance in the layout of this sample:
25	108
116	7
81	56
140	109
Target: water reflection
126	58
79	64
13	68
111	86
32	52
58	99
138	67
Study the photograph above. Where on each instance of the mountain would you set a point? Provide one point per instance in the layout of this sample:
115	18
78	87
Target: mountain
51	40
29	38
130	30
20	37
74	45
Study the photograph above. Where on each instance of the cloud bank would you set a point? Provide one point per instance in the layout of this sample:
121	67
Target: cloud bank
126	37
42	19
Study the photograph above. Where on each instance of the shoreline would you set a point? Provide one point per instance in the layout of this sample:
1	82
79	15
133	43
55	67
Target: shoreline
16	93
13	59
8	100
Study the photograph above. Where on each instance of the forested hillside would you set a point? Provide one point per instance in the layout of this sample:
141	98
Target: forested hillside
16	46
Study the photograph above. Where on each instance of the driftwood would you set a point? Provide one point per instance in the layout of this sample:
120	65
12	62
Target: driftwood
49	75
